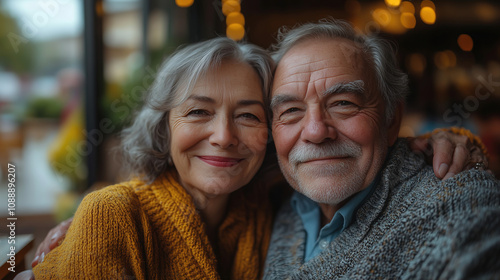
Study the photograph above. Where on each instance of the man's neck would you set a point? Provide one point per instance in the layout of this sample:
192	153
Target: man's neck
328	211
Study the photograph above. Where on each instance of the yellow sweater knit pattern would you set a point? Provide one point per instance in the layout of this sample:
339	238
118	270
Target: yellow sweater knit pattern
138	231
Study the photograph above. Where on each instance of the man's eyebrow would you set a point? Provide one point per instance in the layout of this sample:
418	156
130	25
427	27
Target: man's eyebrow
357	87
282	98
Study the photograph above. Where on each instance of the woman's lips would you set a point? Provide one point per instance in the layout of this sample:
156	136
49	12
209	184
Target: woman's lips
220	161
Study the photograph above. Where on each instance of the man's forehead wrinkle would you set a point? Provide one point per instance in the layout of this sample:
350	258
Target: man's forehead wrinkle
286	83
294	78
327	86
307	75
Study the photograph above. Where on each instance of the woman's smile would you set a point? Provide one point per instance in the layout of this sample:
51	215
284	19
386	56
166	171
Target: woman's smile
220	161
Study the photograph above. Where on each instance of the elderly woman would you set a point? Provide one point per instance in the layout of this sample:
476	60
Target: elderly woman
196	208
191	212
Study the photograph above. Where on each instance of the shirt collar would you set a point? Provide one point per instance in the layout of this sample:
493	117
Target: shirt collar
306	207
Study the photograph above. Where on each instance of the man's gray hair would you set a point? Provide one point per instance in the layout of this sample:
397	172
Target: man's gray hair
392	82
146	143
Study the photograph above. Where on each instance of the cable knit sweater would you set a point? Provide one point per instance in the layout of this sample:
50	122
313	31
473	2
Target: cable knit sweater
139	231
414	226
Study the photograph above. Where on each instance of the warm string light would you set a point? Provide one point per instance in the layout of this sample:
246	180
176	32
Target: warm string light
405	11
408	20
184	3
235	21
465	42
393	3
428	12
428	15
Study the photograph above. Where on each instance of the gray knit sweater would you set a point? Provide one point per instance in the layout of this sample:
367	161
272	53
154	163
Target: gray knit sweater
414	226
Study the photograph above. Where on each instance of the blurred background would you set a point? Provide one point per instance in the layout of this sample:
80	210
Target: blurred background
73	71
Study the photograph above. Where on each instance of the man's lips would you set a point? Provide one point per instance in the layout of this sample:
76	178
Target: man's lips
220	161
320	160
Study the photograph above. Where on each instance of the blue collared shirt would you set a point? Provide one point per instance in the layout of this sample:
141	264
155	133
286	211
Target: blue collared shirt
309	211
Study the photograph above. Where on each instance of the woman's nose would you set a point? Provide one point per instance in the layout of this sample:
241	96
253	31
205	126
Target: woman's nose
223	134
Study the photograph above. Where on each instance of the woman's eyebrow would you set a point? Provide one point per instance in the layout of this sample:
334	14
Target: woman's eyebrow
248	102
244	102
202	98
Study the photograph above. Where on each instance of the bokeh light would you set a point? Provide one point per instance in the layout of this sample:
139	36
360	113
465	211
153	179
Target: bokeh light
486	12
184	3
235	17
465	42
382	16
231	6
393	3
235	31
445	59
428	3
408	20
452	58
416	64
428	15
407	7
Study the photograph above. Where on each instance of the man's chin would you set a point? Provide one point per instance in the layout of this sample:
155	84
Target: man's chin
330	190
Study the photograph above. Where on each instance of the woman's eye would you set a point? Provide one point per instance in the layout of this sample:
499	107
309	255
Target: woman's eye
197	112
250	116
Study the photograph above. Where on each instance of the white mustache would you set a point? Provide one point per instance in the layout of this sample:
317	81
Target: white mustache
307	152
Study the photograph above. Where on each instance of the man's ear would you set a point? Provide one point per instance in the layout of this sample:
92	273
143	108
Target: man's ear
395	124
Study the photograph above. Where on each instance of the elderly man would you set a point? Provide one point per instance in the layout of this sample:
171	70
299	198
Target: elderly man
365	206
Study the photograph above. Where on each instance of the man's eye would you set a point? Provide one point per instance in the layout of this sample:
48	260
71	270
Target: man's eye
344	103
343	107
290	110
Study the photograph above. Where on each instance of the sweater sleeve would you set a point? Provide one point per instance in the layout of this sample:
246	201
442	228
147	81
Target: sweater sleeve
478	257
466	234
103	242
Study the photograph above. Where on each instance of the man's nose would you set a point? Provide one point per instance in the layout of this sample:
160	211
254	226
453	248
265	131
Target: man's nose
317	127
224	133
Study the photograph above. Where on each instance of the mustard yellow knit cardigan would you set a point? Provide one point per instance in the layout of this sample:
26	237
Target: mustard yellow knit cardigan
139	231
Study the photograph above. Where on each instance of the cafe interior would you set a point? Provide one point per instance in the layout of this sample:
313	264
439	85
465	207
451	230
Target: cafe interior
72	73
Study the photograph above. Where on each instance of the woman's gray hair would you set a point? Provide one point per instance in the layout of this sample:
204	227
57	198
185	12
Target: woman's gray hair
392	82
146	143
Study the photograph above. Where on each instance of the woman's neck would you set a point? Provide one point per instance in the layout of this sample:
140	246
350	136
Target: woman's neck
212	210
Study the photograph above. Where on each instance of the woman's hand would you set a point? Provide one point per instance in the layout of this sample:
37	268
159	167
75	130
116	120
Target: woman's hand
25	275
52	240
449	152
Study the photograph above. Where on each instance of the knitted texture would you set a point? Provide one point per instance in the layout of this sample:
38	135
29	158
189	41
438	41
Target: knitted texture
414	226
139	231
